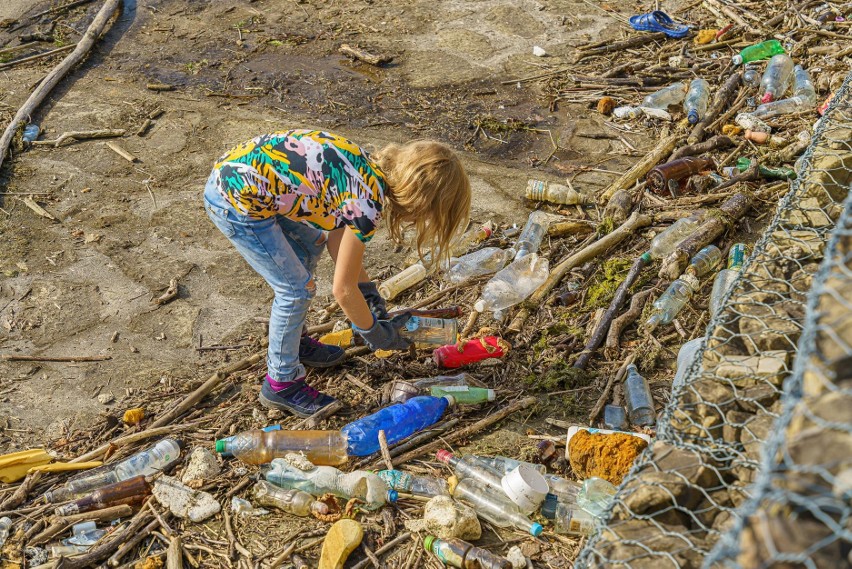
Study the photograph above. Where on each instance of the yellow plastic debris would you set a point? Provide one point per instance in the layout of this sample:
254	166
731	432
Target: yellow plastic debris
731	130
341	540
133	416
705	36
342	338
14	466
65	466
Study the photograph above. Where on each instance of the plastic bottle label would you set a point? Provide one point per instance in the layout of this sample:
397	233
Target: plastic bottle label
536	190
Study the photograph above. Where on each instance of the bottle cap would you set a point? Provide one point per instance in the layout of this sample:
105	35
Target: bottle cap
220	445
393	496
692	117
444	455
179	442
548	508
525	486
428	541
737	59
766	98
536	529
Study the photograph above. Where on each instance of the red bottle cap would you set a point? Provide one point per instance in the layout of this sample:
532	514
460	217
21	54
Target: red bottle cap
767	98
444	455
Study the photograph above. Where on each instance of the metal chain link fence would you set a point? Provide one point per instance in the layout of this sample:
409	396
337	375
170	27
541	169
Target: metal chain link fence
752	466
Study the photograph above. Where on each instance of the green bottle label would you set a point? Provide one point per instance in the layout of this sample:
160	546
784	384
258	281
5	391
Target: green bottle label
736	256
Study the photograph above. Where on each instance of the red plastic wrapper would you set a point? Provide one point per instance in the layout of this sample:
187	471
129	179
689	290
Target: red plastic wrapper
470	351
824	107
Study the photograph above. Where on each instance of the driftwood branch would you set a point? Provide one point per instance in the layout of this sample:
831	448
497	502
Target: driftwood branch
73	359
37	56
168	296
613	379
626	181
637	303
364	55
715	143
77	136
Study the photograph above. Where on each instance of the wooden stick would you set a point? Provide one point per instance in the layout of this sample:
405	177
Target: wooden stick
58	9
15	62
641	39
383	445
19	496
79	135
174	555
637	303
469	430
634	222
715	143
593	415
726	93
73	359
134	540
324	413
383	549
122	152
626	181
99	552
60	524
160	87
365	56
50	81
168	296
14	48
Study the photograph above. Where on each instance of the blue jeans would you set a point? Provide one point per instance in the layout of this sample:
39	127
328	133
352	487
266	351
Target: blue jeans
285	253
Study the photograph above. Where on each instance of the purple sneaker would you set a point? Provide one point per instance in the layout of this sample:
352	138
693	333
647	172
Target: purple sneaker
314	353
297	398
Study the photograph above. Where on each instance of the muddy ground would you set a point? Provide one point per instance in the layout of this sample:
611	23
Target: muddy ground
83	284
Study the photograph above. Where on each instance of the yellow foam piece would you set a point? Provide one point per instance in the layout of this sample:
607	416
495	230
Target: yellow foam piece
65	466
14	466
342	338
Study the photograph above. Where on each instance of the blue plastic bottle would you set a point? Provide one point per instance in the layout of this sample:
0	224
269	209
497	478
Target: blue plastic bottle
397	421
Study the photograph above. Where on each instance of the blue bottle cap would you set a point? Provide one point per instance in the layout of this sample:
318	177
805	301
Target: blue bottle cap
692	117
392	496
536	529
548	508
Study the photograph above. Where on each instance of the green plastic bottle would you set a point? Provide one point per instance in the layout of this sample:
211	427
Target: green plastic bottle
782	173
463	394
756	52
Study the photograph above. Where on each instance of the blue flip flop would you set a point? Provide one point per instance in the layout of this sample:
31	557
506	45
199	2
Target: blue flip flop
659	21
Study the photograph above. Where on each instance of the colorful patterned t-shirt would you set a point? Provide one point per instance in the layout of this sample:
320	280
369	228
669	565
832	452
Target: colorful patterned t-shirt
309	176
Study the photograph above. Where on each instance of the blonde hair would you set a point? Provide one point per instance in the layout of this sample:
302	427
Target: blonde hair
428	190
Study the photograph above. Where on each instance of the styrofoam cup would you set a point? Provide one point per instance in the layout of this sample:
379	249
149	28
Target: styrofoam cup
526	487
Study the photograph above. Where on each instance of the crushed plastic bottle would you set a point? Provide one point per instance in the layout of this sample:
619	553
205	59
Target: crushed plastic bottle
5	529
752	123
292	501
483	262
627	112
514	284
685	356
457	553
31	132
426	486
803	99
726	277
696	101
493	506
425	332
463	394
539	190
674	94
595	496
470	467
640	403
403	281
780	173
259	447
672	301
532	234
615	417
776	78
763	50
131	490
398	421
85	533
503	465
469	351
663	244
704	261
145	463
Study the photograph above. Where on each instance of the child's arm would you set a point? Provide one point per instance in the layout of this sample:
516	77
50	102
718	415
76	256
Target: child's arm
348	254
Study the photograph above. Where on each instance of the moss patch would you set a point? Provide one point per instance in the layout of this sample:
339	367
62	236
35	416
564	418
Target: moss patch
602	289
560	375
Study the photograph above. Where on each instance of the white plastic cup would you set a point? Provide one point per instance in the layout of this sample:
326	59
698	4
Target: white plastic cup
526	487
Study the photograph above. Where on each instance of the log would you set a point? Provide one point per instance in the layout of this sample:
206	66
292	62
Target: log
135	539
626	181
715	143
174	555
52	79
469	430
637	303
634	222
726	93
19	496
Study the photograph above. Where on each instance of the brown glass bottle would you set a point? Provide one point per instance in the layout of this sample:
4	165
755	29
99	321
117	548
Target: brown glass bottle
457	553
669	178
124	492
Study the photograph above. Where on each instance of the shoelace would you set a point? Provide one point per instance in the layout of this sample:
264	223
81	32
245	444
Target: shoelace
308	391
310	344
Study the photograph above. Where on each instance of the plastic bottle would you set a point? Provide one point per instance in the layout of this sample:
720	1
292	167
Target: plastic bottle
540	190
463	394
471	351
426	486
259	447
403	281
130	490
803	99
5	529
31	132
751	77
726	277
403	390
752	123
696	101
776	78
145	463
503	465
627	112
457	553
640	403
483	262
663	244
513	284
671	176
685	356
431	331
574	521
493	506
398	421
763	50
704	261
781	173
469	467
665	97
266	429
615	417
531	235
595	496
672	301
292	501
85	533
318	480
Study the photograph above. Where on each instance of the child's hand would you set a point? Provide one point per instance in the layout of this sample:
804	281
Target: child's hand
374	300
384	335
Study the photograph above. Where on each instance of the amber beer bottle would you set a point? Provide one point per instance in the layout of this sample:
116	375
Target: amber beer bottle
670	177
124	492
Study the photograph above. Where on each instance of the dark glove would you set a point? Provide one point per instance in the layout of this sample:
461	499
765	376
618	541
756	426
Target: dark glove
374	300
384	335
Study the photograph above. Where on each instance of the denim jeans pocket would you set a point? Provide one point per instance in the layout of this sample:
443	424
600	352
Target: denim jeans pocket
219	216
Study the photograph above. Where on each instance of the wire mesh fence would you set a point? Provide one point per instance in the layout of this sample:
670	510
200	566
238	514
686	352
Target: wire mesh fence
752	466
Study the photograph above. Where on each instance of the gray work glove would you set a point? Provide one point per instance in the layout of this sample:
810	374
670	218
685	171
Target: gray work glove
384	334
374	300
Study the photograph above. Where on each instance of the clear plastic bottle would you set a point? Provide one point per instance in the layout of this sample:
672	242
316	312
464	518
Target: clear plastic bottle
803	99
493	506
130	490
483	262
640	403
457	553
403	281
145	463
627	112
751	76
265	429
85	533
426	332
426	486
531	235
672	301
705	261
615	417
539	190
504	465
259	447
751	122
463	394
398	421
663	244
763	50
726	277
31	132
596	495
696	101
776	78
685	356
470	466
574	521
5	529
444	380
292	501
665	97
565	490
514	284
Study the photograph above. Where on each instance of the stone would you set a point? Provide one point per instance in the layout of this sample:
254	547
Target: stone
106	398
340	541
769	328
638	544
650	492
714	505
766	539
445	518
516	557
734	421
758	397
202	465
183	501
